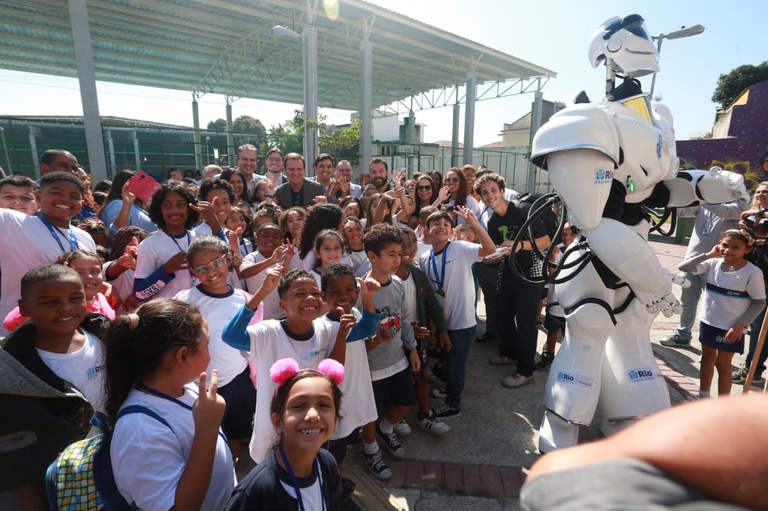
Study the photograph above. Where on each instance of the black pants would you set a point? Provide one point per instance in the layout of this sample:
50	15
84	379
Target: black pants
486	277
518	306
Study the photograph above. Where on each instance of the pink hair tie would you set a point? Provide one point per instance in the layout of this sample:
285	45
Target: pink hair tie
285	368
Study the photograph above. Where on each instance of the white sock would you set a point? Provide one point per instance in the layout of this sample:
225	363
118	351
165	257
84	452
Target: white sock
703	393
369	449
386	427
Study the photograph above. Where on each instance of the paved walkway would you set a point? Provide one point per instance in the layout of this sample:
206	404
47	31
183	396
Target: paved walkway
479	464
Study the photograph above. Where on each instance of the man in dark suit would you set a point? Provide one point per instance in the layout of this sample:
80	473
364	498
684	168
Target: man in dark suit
298	191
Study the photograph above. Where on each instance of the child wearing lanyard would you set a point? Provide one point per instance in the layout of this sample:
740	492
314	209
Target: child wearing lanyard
152	358
31	241
161	263
298	474
449	269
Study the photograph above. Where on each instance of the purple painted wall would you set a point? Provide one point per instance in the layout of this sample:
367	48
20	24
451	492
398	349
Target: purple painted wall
745	150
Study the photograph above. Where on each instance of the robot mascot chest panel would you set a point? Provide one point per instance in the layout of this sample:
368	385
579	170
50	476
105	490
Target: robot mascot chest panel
637	152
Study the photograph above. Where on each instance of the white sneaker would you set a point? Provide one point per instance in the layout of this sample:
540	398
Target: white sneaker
517	380
434	425
402	428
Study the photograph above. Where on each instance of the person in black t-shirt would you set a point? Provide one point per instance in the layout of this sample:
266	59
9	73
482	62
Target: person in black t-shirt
518	336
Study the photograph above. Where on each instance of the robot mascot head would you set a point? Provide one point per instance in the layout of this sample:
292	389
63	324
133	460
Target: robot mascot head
625	46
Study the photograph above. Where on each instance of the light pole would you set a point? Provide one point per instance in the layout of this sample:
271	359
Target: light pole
208	150
309	62
677	34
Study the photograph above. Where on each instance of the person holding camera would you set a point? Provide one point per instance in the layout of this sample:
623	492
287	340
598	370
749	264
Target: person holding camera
711	221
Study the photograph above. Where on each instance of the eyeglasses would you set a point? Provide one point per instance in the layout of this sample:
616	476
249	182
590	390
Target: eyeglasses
424	188
452	180
274	160
213	265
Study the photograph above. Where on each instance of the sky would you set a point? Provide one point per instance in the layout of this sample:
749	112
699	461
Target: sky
549	33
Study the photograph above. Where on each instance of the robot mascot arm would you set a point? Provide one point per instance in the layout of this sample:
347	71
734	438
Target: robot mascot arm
618	246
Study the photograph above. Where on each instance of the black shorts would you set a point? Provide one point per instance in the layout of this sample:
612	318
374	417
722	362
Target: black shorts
715	338
241	405
396	389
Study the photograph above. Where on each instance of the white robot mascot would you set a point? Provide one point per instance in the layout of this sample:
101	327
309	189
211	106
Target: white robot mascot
607	161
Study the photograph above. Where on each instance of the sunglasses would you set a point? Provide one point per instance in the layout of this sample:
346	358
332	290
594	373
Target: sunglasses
213	265
424	188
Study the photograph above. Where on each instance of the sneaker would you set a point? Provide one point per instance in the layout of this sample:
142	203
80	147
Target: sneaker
438	392
546	361
378	466
348	486
517	380
402	428
444	411
392	443
431	424
739	376
501	360
676	341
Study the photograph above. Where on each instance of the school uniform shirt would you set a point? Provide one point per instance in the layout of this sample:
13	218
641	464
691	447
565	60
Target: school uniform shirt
271	304
471	204
154	251
83	368
27	243
729	294
358	406
269	487
388	358
269	343
148	458
457	282
360	263
218	309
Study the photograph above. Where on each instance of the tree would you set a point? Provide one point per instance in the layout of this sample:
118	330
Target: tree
217	125
341	143
255	131
730	85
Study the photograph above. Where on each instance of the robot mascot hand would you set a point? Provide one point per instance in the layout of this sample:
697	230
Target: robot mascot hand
609	162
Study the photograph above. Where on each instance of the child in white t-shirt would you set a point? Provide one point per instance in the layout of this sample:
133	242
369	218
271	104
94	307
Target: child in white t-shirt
32	241
300	336
56	364
209	259
161	263
270	252
735	295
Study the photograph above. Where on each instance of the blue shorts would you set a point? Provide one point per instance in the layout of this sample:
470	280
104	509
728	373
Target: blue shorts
396	389
241	405
715	338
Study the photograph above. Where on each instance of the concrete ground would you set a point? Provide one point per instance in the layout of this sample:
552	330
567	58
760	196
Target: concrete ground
479	464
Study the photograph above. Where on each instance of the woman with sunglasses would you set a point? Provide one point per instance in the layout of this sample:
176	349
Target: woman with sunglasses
426	192
456	192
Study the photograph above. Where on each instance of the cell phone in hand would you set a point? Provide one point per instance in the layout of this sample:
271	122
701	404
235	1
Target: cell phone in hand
142	185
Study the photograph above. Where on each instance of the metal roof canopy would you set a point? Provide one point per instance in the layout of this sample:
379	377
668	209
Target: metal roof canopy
227	47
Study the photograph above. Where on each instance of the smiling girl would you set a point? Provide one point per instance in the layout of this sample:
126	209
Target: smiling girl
298	474
735	295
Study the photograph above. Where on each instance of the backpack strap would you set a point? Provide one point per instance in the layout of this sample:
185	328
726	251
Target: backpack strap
146	411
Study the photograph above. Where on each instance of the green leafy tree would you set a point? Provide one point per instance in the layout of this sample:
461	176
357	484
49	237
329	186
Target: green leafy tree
341	143
218	125
255	130
730	85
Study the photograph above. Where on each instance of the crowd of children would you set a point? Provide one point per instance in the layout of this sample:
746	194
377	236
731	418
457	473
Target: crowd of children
292	330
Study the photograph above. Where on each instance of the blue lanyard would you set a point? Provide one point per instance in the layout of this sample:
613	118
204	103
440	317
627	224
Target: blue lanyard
163	395
295	481
176	242
72	239
439	277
